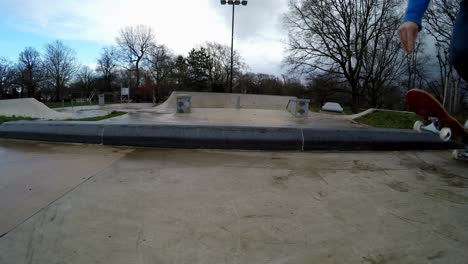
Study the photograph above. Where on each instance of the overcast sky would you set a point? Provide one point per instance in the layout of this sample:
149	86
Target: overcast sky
88	25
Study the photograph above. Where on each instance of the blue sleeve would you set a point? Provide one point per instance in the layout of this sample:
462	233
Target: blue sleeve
415	11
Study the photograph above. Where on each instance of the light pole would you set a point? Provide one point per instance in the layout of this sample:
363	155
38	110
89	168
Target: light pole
233	3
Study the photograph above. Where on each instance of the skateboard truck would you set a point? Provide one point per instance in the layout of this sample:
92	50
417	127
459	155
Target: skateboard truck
445	133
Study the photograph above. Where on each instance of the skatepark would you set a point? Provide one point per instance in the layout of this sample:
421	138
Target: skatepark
217	121
207	108
216	109
234	132
238	179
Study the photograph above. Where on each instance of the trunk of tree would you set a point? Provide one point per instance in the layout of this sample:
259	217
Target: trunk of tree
355	101
108	84
57	94
32	86
137	73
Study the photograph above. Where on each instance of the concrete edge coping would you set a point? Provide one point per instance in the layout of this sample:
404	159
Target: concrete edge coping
224	137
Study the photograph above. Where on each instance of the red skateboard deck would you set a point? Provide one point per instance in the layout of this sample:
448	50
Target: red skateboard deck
424	104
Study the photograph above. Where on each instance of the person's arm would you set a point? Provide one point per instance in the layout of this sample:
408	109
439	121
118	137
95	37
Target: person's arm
412	22
415	11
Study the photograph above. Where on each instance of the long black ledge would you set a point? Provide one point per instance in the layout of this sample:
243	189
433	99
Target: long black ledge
223	137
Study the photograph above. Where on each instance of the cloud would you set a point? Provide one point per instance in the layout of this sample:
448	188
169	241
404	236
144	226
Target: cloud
259	17
181	25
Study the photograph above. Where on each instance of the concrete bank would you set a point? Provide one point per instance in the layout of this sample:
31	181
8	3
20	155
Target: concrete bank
223	137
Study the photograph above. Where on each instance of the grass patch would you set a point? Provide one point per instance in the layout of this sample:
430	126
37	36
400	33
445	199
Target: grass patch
4	119
389	120
314	108
347	110
99	118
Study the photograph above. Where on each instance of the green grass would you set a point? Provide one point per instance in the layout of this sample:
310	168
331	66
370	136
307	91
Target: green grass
347	110
4	119
389	120
313	108
67	104
99	118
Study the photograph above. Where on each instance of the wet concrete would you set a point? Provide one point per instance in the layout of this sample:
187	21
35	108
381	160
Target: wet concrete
184	206
147	114
96	110
86	111
32	175
238	117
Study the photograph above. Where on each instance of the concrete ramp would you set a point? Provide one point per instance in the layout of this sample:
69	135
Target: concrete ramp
29	107
227	100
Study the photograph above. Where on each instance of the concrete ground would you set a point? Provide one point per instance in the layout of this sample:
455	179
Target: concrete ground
147	114
215	109
238	117
94	204
96	110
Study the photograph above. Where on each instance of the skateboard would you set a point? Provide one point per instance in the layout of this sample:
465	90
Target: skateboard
439	120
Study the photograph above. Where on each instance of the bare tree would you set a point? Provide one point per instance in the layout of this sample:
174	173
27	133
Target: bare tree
86	79
59	65
323	88
161	64
440	20
221	56
107	66
134	43
333	36
30	66
382	62
7	76
415	65
261	83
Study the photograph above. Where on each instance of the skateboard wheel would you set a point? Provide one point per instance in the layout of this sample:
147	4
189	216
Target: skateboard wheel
445	134
418	125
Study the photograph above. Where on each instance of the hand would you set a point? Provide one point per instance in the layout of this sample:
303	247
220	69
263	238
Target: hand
408	32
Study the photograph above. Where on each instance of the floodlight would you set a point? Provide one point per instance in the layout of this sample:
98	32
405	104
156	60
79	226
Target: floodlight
233	3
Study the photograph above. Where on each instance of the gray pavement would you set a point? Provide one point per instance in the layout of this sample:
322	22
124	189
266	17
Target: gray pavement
147	114
98	204
229	116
